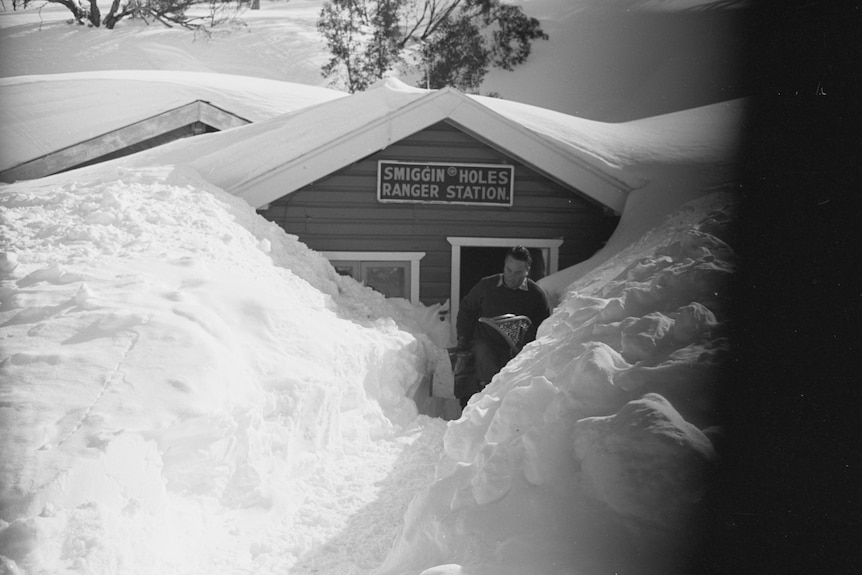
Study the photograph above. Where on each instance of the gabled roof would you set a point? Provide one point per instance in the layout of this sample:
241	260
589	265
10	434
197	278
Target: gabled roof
351	128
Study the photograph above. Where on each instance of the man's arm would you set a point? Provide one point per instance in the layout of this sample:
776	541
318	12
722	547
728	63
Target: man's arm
468	314
541	313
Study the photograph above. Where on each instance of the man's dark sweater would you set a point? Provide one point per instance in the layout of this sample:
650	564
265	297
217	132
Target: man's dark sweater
490	297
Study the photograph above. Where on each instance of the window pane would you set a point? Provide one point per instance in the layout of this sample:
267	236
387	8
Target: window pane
346	268
389	278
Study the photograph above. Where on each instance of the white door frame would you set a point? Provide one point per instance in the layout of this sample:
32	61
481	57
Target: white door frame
553	245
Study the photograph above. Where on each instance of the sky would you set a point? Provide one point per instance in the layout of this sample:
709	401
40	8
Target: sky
187	389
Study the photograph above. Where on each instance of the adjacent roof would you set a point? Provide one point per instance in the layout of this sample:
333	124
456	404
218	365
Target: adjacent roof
192	119
43	114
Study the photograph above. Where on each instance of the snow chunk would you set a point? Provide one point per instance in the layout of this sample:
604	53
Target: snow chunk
693	321
521	408
8	263
496	465
84	297
641	336
645	462
588	379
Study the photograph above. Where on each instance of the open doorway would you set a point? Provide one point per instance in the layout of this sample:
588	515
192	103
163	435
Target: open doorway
475	258
478	262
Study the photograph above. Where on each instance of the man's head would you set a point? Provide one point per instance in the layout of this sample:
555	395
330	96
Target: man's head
516	267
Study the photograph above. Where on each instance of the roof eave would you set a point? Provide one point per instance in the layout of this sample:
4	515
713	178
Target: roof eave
567	166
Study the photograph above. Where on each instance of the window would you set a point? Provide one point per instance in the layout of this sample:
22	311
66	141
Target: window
394	274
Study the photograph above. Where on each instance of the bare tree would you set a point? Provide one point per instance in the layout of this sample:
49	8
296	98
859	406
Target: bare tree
168	12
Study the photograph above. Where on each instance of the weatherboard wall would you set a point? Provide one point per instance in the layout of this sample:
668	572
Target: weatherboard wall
341	212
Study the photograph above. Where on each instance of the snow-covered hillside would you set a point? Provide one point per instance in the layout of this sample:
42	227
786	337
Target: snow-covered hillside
610	61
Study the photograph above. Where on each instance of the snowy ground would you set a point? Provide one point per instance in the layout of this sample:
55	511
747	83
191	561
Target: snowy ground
187	389
193	363
278	42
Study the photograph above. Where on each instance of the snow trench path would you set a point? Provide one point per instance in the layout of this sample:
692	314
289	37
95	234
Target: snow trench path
357	500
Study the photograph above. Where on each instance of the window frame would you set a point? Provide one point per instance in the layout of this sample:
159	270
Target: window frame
412	259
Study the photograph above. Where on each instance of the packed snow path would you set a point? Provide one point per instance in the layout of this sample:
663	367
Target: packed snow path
358	500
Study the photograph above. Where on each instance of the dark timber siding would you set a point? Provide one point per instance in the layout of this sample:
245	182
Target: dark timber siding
341	213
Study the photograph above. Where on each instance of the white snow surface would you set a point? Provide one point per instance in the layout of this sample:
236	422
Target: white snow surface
188	389
185	388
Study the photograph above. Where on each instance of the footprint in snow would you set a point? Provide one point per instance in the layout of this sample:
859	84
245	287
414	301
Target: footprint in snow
108	325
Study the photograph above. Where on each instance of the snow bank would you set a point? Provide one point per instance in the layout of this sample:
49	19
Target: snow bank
678	158
186	388
591	451
181	380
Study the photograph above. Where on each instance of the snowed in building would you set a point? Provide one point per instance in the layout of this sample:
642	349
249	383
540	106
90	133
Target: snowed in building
419	193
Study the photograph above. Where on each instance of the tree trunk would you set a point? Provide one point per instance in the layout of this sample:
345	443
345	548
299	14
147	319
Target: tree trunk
73	8
95	14
112	18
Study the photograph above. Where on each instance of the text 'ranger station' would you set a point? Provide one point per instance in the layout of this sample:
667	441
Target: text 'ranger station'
443	183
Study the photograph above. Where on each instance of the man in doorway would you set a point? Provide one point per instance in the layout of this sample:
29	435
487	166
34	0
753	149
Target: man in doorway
510	292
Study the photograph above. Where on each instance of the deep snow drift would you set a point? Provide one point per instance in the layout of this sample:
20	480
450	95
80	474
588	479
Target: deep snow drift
592	449
186	389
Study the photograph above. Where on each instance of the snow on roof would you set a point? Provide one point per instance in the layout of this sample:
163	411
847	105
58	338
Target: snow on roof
391	111
708	134
303	133
39	112
265	161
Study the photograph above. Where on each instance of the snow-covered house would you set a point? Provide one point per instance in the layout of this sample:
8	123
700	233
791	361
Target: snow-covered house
418	193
